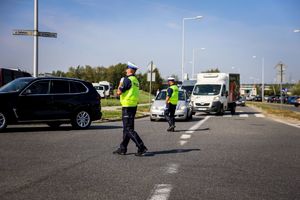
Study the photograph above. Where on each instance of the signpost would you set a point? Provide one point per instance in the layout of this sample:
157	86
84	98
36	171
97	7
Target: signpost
35	33
151	77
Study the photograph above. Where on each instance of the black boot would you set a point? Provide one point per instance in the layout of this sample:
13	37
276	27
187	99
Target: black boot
142	151
120	152
171	128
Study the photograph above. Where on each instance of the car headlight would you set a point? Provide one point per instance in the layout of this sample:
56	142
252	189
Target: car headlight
161	108
182	108
217	98
154	108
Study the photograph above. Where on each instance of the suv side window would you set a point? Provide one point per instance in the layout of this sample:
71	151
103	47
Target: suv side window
39	87
77	87
59	87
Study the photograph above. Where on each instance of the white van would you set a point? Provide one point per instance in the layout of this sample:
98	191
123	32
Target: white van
215	92
100	89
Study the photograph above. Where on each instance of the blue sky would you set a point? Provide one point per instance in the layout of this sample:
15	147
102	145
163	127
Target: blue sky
106	32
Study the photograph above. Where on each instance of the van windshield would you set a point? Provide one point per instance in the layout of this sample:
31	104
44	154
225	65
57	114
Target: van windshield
210	89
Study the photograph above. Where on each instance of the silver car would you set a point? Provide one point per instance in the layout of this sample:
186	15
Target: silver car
183	109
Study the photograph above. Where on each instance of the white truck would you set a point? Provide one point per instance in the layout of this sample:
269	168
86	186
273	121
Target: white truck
108	88
215	93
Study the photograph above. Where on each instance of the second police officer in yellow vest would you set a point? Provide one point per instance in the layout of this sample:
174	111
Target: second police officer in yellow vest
171	103
129	96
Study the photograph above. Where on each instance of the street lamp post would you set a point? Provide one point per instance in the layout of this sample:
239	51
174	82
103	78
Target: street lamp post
262	77
182	50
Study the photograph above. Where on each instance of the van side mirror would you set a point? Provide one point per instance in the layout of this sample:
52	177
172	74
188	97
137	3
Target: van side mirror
226	93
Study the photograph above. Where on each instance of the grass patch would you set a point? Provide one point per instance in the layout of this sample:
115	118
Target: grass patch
117	114
144	98
275	111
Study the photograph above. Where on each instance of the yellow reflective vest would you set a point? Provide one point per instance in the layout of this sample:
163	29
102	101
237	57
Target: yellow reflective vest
174	97
130	97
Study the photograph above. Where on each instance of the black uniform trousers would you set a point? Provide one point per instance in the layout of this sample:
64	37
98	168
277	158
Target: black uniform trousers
170	114
128	115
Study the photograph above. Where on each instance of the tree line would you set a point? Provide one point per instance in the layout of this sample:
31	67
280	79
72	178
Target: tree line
112	74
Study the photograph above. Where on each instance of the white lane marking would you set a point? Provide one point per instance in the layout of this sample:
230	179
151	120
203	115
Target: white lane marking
244	115
182	142
283	122
227	115
172	168
185	136
259	115
161	192
193	128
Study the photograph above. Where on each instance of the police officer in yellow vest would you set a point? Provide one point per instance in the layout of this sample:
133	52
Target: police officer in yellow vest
129	95
171	103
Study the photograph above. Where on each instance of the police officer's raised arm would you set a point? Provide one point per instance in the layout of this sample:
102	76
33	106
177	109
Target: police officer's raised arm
125	84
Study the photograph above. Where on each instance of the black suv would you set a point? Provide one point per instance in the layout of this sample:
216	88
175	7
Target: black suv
50	100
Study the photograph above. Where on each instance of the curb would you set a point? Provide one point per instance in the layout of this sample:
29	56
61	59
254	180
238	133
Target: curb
287	121
119	119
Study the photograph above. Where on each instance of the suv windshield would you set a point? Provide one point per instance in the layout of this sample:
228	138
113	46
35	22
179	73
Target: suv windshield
207	89
162	96
15	85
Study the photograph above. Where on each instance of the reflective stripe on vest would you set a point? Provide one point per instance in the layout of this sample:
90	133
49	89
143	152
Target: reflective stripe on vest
130	97
174	97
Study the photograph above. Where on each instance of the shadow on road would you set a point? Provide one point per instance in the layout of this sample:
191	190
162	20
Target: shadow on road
172	151
26	129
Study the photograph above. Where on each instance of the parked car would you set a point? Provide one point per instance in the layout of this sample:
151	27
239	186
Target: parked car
273	99
257	98
297	102
183	109
292	99
277	99
49	100
250	97
241	101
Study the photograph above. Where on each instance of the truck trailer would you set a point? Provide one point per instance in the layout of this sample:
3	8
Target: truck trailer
215	93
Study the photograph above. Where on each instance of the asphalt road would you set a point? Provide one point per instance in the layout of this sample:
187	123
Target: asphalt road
245	156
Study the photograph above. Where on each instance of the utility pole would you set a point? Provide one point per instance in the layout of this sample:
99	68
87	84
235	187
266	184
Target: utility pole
281	67
35	33
35	40
151	69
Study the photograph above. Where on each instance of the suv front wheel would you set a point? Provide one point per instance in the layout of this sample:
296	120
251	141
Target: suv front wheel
81	120
3	121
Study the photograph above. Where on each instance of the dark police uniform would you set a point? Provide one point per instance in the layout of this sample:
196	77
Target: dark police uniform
172	93
129	101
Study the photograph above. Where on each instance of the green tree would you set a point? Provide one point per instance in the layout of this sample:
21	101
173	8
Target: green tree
216	70
112	74
296	89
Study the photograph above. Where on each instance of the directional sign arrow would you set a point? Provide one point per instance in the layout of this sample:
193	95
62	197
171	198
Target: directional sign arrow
47	34
23	32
